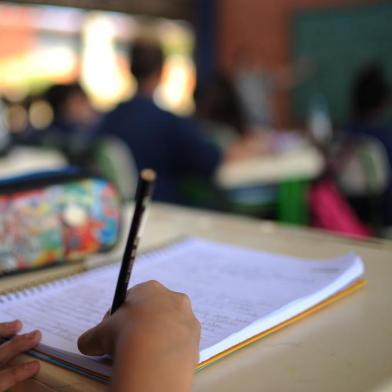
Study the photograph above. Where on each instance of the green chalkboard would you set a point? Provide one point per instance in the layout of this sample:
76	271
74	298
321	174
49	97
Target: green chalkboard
339	42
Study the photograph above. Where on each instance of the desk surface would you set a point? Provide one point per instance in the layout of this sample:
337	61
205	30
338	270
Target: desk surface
345	347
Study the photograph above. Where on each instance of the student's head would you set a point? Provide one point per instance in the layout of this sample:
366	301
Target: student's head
146	59
70	103
216	100
370	93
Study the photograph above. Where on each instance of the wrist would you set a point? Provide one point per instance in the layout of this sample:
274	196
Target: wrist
142	351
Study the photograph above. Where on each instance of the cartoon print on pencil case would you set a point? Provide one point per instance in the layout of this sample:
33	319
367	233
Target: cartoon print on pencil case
30	234
63	221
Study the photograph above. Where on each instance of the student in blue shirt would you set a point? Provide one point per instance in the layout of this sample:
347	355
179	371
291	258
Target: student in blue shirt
176	148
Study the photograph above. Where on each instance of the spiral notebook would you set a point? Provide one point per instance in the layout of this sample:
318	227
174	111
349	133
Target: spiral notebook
238	294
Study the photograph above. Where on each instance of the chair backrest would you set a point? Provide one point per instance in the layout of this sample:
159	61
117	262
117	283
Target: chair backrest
366	170
115	161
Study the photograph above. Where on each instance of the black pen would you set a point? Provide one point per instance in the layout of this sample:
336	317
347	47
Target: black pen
142	198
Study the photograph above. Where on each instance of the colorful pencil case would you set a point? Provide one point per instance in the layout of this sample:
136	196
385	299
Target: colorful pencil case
55	217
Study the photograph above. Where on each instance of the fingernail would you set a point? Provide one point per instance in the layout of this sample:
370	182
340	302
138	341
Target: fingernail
13	324
31	366
31	335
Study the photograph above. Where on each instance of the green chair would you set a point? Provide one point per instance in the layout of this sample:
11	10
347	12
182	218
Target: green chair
114	161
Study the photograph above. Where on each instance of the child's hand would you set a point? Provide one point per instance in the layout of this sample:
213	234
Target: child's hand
11	375
153	332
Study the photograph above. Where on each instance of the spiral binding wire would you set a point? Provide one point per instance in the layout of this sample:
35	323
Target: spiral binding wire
36	288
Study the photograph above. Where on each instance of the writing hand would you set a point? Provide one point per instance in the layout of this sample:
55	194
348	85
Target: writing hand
153	332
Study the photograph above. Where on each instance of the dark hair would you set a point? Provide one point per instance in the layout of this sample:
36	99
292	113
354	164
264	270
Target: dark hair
146	58
58	94
370	91
217	100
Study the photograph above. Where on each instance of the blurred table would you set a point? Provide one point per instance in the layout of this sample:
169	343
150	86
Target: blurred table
288	171
345	347
26	160
304	163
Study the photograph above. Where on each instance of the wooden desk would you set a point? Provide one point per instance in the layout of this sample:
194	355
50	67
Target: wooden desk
345	347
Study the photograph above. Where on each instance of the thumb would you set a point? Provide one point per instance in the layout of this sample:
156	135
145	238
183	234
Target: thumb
96	341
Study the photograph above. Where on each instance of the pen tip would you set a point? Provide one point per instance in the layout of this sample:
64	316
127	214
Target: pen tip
148	175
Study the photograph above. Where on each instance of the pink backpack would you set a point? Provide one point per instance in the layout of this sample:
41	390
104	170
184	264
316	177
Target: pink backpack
332	212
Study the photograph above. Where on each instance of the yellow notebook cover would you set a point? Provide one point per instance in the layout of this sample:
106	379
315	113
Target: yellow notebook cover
356	286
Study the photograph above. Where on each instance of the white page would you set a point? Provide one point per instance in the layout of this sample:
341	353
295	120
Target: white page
234	292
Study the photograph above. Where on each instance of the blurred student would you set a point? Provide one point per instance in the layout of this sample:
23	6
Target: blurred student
153	339
219	110
74	120
70	129
370	102
72	110
176	148
257	86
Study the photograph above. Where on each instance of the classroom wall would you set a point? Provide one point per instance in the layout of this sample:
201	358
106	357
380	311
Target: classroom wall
263	27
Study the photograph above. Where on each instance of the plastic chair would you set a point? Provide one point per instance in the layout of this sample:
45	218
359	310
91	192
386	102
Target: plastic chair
366	170
115	161
364	173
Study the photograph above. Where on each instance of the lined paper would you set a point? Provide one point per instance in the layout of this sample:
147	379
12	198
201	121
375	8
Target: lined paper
235	292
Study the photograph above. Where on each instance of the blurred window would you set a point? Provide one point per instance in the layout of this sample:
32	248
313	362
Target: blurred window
43	45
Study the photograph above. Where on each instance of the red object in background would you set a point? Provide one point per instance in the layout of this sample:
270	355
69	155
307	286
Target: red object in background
17	32
332	212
